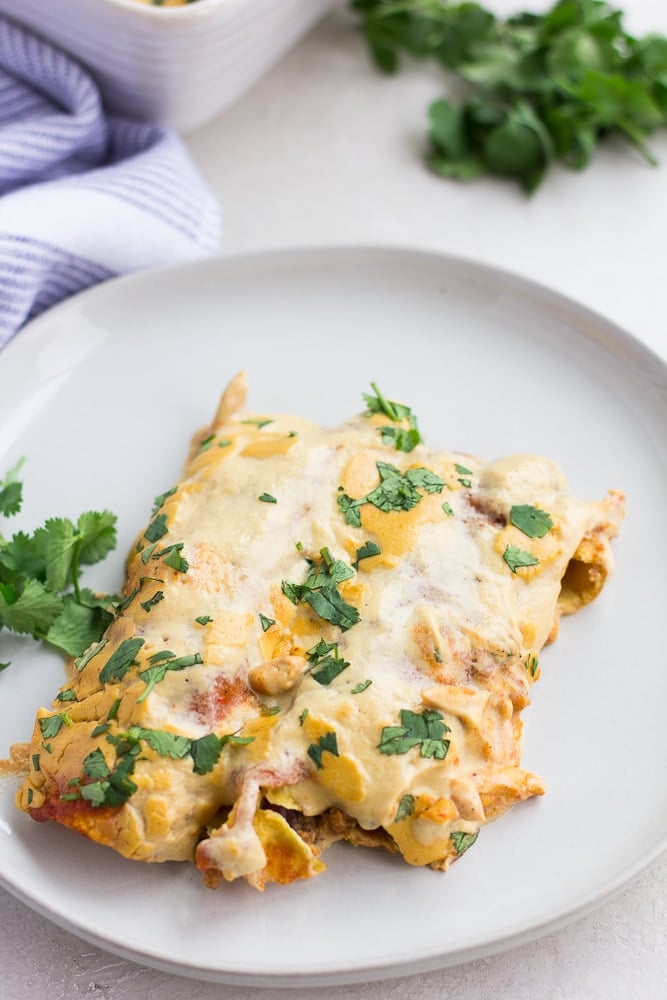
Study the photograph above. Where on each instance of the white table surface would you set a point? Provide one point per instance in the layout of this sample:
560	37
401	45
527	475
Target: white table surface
326	151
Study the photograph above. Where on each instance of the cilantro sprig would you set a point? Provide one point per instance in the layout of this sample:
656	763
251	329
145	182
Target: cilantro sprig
41	592
402	438
542	88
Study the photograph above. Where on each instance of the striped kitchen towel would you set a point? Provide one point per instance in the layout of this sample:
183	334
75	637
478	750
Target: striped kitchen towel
83	196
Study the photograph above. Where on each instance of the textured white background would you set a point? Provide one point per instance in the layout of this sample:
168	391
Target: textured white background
323	151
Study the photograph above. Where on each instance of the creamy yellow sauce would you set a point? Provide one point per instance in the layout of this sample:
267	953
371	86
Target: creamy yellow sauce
416	741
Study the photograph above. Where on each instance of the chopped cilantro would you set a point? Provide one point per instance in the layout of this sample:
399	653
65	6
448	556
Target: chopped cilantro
358	688
120	660
203	619
406	808
463	472
113	711
156	673
176	560
403	439
156	529
104	727
165	744
95	765
152	601
367	550
52	724
267	498
325	666
262	422
68	694
35	762
84	660
397	491
148	552
516	558
425	731
206	750
327	742
447	509
462	841
265	622
530	520
320	591
159	500
206	443
532	664
303	716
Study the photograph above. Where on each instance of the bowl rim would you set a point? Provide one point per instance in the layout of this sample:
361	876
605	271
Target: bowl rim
150	10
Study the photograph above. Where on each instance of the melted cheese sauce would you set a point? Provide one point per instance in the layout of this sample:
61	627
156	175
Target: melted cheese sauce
447	642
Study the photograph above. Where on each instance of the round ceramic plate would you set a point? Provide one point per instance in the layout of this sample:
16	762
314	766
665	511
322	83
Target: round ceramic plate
102	395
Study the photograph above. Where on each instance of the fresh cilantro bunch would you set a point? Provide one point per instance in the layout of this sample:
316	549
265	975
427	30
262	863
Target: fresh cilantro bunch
542	87
40	590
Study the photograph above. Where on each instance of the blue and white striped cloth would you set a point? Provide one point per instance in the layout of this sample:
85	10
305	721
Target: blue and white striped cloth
83	196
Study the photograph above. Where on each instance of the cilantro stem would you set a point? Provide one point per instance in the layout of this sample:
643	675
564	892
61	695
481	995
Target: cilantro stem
75	571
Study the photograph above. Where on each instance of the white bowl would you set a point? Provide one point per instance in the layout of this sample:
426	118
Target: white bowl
175	65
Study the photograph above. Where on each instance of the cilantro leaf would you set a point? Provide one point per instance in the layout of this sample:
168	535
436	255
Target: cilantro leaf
396	491
365	551
530	520
425	731
77	626
165	744
158	671
462	841
30	612
156	529
159	500
205	753
11	491
325	666
516	558
206	750
402	438
406	808
327	742
40	589
97	535
265	622
95	765
320	591
120	660
52	724
358	688
82	661
532	664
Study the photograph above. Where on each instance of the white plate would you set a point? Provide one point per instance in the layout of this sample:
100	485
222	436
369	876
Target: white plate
102	395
